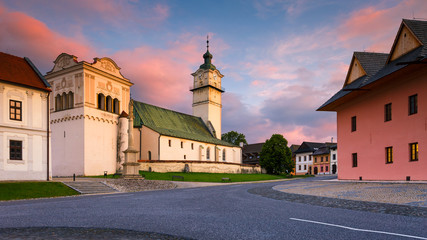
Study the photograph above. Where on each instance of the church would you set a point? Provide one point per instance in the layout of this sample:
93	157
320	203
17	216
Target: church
89	121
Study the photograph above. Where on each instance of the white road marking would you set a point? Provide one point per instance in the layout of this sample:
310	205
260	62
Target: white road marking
358	229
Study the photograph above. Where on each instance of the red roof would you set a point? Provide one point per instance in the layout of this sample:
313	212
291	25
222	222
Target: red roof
18	70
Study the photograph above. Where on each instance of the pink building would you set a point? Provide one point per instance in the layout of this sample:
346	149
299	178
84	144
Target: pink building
382	110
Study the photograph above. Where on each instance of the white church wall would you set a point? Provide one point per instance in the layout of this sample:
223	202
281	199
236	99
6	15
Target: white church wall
150	143
174	151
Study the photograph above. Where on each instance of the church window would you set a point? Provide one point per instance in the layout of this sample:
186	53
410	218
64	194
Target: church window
182	144
58	103
15	150
185	157
223	154
208	153
70	100
170	143
192	146
15	110
101	101
109	103
116	108
64	101
149	155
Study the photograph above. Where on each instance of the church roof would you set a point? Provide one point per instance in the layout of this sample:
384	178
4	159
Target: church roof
22	71
174	124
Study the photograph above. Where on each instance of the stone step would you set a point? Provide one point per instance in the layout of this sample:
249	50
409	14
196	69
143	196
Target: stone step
91	187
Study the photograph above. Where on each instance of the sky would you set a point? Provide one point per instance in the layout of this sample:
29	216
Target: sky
282	59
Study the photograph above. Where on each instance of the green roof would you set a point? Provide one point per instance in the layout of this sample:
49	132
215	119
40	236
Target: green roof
174	124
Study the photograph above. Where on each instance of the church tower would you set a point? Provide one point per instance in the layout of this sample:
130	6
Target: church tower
207	92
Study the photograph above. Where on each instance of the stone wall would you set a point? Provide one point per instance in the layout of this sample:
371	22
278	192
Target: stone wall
197	166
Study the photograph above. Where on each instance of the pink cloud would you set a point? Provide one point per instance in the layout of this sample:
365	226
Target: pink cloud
24	35
375	26
108	13
163	76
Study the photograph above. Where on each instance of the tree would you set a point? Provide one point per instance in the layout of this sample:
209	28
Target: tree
234	138
276	156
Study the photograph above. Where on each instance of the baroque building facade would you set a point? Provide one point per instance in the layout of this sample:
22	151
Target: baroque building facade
86	102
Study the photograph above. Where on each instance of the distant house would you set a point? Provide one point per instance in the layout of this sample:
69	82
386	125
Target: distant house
321	160
24	120
251	152
303	157
382	110
334	158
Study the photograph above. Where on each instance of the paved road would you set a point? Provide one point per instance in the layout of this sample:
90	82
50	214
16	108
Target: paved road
217	212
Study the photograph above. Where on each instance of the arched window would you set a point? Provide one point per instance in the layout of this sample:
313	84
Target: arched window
223	154
208	153
101	101
70	100
109	103
149	155
116	108
64	101
58	102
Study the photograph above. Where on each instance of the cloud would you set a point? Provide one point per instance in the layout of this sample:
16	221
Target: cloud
163	76
96	15
374	28
23	35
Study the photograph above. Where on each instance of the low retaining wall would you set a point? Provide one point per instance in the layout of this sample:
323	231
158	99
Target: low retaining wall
197	166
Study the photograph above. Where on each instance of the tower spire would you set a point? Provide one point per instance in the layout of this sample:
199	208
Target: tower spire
208	57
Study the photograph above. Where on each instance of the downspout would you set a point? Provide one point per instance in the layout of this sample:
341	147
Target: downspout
140	143
216	160
158	149
47	133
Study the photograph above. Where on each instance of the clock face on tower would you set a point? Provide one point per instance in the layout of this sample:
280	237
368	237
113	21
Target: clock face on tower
214	76
200	76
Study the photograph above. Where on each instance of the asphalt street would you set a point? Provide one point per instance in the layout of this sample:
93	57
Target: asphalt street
217	212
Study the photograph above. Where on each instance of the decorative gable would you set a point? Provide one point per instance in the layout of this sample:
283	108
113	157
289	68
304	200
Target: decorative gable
405	42
355	71
64	60
107	65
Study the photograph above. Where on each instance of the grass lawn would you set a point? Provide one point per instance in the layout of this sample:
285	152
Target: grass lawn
207	177
211	177
26	190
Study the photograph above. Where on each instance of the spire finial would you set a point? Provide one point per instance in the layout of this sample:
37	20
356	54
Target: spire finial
207	42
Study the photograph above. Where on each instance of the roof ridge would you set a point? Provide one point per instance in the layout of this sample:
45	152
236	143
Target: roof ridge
165	109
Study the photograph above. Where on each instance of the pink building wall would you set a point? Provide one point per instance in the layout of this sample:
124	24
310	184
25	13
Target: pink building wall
373	134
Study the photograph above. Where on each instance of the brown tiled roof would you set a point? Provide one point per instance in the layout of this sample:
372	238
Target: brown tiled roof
21	71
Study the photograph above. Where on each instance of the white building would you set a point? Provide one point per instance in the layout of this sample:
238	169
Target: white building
163	134
24	116
167	136
86	101
304	159
334	159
